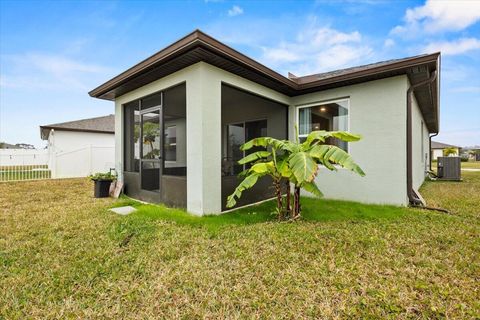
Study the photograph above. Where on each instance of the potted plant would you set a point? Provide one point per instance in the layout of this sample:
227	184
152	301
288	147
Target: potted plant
102	183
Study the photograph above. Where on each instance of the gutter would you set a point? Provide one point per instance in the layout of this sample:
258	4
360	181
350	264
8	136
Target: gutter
413	199
430	149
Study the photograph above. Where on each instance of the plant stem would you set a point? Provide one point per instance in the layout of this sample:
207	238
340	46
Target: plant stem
296	210
278	193
288	213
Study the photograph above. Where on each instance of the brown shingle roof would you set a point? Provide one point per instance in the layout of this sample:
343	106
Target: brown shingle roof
352	70
104	124
198	46
441	145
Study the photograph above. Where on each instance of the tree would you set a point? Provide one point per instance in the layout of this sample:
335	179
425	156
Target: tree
449	151
294	162
150	134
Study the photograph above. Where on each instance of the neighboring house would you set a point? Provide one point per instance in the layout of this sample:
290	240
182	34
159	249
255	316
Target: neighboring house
4	145
80	148
472	153
438	147
181	114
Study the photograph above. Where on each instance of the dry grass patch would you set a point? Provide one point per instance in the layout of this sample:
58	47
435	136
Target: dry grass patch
62	254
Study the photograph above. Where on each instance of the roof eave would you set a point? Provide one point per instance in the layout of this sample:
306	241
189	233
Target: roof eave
191	41
75	129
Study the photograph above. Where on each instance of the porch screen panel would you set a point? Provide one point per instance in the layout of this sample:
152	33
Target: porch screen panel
132	137
151	135
175	131
236	137
238	134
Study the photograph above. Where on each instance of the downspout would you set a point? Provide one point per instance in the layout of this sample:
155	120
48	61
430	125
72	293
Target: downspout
430	149
412	197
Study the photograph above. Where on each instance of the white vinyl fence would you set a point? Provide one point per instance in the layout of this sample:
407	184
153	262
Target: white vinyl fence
20	164
24	164
83	161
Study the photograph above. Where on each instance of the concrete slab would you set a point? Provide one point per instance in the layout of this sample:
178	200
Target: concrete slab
123	210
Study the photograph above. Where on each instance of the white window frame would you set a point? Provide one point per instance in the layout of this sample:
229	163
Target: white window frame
316	104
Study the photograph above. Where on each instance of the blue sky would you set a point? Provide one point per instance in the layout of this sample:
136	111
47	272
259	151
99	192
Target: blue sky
53	53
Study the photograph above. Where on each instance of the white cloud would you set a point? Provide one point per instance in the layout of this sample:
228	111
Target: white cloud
388	43
45	71
317	49
235	11
453	47
436	16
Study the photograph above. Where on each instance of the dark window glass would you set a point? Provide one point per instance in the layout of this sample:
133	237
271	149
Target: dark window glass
175	131
132	136
151	175
236	137
238	134
171	143
328	116
154	100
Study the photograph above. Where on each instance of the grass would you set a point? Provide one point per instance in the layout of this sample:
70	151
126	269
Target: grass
64	255
471	165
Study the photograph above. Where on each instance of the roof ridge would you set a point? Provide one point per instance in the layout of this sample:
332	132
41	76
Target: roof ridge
76	121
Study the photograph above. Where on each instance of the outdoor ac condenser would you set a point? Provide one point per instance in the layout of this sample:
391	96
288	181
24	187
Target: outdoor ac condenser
448	168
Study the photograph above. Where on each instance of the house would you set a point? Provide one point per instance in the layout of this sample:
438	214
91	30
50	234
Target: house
81	147
181	114
437	149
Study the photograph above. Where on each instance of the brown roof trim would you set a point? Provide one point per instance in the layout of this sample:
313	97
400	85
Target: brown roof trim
71	129
198	46
196	38
235	55
295	86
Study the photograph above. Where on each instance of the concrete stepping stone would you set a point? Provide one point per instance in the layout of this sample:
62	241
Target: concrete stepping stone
123	210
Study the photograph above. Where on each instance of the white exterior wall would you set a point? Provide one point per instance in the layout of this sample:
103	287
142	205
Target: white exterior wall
79	154
420	152
203	86
377	111
72	140
437	153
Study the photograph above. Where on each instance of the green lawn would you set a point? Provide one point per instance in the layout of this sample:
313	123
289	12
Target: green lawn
471	165
63	255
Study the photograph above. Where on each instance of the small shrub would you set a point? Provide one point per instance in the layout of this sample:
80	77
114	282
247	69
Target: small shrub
103	176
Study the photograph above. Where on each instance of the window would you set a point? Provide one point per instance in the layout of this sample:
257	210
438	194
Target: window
171	143
238	134
329	116
155	129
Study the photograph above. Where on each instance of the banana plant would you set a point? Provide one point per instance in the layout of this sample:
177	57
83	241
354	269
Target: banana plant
296	162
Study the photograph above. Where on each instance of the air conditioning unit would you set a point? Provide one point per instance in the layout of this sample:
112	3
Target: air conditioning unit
449	168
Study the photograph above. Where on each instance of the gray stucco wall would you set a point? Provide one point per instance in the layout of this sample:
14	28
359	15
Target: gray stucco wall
377	111
420	151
